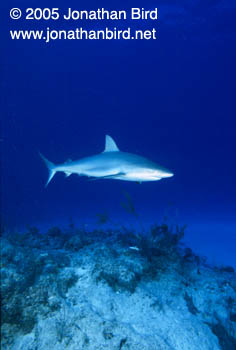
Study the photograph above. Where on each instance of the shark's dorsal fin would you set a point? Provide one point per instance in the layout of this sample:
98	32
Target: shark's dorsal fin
110	145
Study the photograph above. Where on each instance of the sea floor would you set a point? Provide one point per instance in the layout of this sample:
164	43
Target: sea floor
113	289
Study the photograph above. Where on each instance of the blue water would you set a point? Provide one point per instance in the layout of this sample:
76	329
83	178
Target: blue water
171	100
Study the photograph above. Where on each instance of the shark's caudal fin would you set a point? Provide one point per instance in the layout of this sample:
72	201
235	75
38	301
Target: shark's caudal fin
51	168
110	145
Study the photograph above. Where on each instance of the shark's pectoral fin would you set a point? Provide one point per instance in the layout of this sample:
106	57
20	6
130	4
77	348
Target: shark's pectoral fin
67	173
113	176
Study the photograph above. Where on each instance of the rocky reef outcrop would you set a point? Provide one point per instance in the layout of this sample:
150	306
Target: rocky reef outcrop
113	289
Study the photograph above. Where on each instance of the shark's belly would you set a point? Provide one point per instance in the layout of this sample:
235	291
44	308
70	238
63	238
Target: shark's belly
100	172
137	177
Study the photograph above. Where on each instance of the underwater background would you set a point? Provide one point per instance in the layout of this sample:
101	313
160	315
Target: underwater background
111	264
171	100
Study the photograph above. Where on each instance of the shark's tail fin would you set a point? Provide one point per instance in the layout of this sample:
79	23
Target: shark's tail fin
51	168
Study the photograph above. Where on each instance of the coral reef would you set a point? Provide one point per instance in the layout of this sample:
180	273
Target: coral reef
113	289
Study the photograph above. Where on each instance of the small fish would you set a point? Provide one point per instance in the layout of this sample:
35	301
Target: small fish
111	164
134	248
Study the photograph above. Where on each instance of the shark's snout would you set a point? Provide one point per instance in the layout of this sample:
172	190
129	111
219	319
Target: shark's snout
163	173
169	174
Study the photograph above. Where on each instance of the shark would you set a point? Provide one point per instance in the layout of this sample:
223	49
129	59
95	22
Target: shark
110	164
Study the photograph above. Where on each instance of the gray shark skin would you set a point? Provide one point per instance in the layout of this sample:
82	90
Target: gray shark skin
111	164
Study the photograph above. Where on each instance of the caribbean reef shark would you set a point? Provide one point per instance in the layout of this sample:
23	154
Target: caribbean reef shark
111	164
